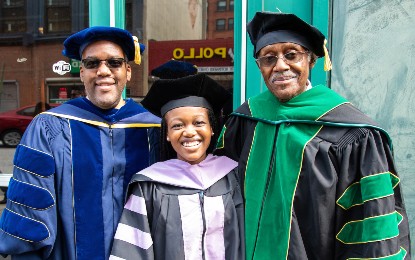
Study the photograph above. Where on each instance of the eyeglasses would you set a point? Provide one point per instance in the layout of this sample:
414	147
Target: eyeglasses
112	63
289	58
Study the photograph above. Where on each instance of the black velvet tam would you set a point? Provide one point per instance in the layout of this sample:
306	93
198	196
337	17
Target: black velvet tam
268	28
197	91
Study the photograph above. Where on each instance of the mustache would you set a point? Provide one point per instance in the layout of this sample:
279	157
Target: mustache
278	75
284	74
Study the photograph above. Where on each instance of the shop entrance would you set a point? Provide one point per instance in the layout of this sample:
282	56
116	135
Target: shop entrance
60	90
9	95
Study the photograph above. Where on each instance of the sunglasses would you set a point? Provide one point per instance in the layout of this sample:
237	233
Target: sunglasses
94	63
289	58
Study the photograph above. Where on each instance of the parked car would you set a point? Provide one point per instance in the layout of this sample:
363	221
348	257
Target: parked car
13	123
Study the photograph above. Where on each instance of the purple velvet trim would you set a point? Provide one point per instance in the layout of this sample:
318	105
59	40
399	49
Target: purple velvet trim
197	176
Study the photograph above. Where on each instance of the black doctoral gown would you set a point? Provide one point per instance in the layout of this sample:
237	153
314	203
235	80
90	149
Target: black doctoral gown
320	180
177	211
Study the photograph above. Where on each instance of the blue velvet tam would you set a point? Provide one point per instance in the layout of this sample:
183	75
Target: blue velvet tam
75	44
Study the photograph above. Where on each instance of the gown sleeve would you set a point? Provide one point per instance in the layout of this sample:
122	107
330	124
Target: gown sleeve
227	143
133	237
371	221
154	142
236	136
28	224
235	142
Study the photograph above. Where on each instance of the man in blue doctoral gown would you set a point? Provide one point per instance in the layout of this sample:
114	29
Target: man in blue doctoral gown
74	162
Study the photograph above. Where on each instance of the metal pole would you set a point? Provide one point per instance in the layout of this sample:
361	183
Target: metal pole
107	13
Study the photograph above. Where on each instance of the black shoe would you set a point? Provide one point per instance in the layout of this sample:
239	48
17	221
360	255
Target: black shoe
3	201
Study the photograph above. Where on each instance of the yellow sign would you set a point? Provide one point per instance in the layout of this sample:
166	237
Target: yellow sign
202	53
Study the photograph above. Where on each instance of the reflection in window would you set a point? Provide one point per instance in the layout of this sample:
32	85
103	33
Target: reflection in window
221	6
58	16
220	25
13	16
230	24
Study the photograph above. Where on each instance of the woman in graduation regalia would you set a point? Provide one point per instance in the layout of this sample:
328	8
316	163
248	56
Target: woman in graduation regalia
189	206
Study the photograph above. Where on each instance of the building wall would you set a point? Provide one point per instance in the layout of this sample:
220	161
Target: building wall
135	86
213	15
174	20
29	66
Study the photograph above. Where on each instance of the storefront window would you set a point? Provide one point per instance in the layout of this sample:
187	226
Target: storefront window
60	92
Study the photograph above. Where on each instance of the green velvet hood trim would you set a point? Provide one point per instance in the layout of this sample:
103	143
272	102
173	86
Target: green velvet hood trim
274	165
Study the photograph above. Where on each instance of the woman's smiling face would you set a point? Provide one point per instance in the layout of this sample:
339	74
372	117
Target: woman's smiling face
189	132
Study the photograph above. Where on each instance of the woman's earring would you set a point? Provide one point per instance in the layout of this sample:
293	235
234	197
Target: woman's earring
168	139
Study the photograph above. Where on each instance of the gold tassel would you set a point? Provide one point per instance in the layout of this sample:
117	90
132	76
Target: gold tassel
137	55
327	61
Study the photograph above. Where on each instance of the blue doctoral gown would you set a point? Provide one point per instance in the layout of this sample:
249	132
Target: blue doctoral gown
71	172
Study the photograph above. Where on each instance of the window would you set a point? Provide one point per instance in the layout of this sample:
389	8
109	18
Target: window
231	5
84	13
134	18
221	6
58	16
13	16
220	25
129	15
230	24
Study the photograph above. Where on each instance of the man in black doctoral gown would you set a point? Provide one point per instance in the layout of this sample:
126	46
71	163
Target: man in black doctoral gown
320	180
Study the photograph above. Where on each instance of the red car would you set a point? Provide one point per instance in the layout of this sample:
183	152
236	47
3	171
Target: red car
13	123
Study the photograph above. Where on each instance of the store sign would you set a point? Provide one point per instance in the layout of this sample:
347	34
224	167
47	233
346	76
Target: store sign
57	100
61	67
200	53
214	69
75	64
